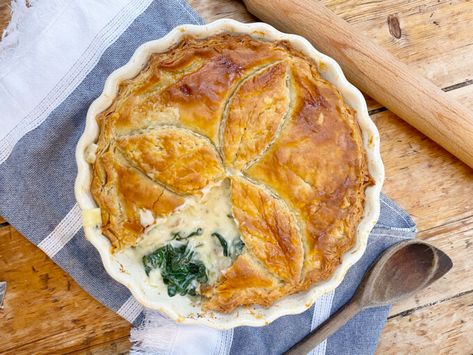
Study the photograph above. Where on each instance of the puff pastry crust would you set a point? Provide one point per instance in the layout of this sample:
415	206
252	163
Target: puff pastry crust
174	157
255	112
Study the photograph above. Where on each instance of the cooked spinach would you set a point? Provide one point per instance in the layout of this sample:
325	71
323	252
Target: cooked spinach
223	243
237	247
178	269
178	236
234	249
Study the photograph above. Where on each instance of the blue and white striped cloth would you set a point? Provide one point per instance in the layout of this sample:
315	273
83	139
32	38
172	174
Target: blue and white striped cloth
53	64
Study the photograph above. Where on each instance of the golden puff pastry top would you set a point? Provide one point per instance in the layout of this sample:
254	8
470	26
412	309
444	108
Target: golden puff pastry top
256	113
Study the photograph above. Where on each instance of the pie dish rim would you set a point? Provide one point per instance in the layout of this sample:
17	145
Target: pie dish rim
331	71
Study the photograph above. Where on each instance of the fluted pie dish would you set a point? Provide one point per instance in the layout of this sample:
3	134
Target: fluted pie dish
229	174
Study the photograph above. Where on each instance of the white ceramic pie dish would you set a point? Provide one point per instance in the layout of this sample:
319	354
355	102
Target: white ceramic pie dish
127	270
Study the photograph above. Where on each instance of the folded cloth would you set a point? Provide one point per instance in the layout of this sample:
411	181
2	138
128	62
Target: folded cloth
54	60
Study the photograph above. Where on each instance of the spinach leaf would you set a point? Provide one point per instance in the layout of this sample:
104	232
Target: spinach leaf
237	247
180	272
178	236
234	249
223	242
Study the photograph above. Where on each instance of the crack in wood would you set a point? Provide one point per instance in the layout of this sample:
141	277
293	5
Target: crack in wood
453	87
458	85
377	110
463	218
412	310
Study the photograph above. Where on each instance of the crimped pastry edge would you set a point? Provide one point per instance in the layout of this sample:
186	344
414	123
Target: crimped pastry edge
251	316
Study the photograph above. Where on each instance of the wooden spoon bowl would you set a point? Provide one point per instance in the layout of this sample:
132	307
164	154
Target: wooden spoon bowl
401	271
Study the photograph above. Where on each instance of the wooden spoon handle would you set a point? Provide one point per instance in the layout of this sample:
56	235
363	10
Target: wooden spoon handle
376	72
330	326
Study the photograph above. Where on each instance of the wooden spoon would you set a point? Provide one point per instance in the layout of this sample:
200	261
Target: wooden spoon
401	271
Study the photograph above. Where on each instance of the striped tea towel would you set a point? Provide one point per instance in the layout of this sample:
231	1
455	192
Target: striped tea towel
54	59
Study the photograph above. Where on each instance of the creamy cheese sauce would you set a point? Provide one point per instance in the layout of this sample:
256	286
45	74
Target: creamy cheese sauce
155	279
211	213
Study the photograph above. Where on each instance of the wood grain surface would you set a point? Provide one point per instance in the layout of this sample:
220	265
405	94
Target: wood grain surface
4	14
45	310
375	71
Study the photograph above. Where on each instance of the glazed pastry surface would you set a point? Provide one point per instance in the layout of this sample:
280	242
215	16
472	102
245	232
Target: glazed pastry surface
257	117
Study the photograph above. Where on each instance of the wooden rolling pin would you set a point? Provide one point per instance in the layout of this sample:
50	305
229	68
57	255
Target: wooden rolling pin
376	72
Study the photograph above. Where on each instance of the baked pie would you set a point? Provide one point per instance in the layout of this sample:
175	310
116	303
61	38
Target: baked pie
232	169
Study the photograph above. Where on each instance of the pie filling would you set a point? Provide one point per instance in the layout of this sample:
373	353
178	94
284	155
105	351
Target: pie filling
201	232
232	169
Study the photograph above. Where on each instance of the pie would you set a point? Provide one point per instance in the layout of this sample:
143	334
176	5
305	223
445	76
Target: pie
233	169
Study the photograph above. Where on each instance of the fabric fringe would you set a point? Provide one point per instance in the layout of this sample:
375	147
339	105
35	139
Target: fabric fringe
27	21
156	335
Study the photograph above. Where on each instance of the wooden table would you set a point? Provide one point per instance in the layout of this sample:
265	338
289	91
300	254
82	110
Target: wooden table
46	311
